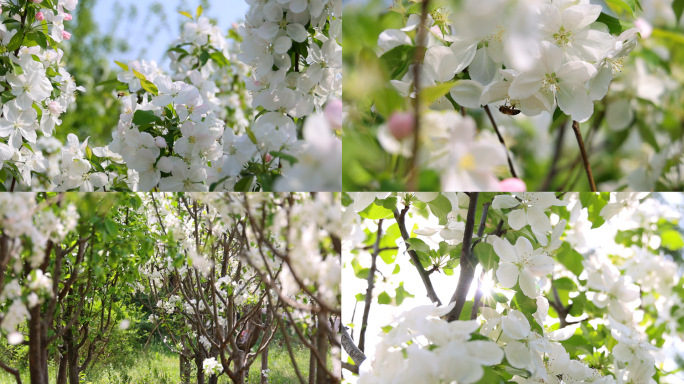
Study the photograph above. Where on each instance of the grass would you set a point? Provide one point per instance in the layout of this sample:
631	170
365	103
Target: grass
159	366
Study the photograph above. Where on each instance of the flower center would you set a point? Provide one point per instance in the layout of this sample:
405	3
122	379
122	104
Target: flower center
549	83
563	37
467	162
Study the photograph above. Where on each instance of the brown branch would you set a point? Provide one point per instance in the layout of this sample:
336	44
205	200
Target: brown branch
553	170
12	371
585	158
419	52
369	290
414	257
501	140
480	232
468	263
352	350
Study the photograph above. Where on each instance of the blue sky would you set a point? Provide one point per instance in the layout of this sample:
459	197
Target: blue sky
149	33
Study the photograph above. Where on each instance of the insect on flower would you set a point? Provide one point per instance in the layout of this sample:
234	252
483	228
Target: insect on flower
509	110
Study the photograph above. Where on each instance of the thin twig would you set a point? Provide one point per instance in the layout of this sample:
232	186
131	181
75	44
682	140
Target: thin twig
501	140
585	158
468	263
420	44
369	289
414	257
480	232
553	170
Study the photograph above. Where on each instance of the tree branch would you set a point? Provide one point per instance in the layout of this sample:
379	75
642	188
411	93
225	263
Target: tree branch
501	140
348	344
369	290
553	170
468	263
585	158
480	232
414	257
419	53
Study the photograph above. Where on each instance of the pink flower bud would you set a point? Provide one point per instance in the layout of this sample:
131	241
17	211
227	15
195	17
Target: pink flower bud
512	185
66	35
55	108
67	16
36	1
268	158
333	112
401	125
645	26
160	142
40	16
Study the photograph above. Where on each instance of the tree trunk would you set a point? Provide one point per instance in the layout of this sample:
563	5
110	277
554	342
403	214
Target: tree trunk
62	373
238	364
36	348
264	366
72	356
184	364
322	346
312	357
199	362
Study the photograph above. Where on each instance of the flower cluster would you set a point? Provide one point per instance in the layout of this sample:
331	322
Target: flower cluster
190	130
38	87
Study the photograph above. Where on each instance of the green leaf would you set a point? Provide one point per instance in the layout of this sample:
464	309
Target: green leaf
396	60
440	207
646	133
627	5
108	82
122	65
570	258
558	114
615	26
384	298
678	7
672	240
16	40
388	240
360	297
465	312
141	117
594	203
390	203
251	136
490	377
219	59
565	283
485	255
401	293
215	184
291	159
416	244
430	94
149	87
375	212
186	14
199	11
204	57
243	184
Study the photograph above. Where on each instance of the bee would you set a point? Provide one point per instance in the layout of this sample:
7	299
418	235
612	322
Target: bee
120	95
509	110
